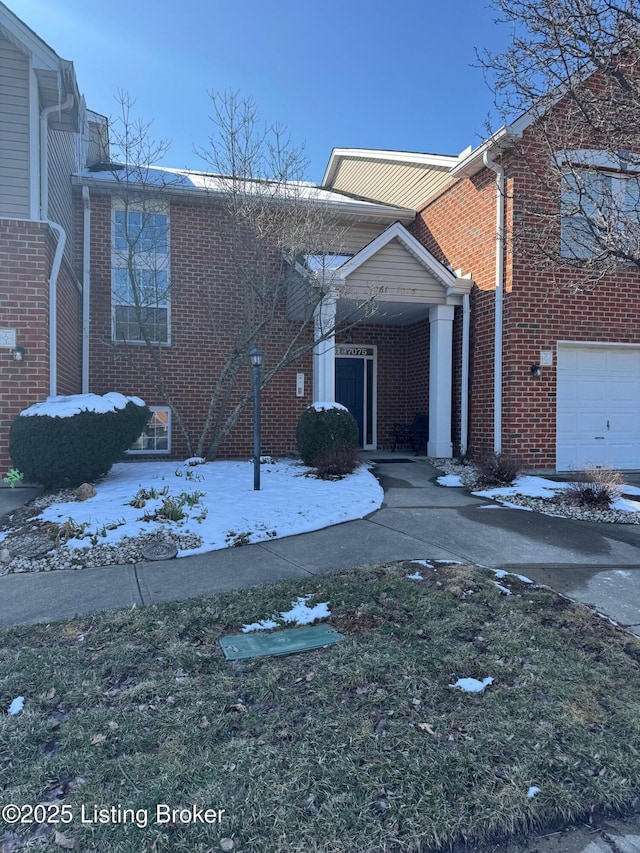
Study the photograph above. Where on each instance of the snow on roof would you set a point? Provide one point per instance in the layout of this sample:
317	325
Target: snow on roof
169	179
66	407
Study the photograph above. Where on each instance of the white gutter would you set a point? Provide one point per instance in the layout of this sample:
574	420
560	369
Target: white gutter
497	358
86	282
464	390
62	239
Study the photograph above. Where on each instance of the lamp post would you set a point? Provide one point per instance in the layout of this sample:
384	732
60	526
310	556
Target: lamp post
256	362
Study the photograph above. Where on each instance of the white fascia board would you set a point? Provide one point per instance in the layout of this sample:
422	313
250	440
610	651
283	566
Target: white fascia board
43	56
349	207
449	280
470	164
442	161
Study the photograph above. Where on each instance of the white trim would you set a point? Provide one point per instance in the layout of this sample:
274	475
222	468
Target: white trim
34	146
499	300
373	358
448	279
161	264
464	384
440	380
444	161
146	452
607	344
86	286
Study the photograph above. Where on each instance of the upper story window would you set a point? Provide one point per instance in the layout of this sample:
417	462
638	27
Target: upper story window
600	211
140	284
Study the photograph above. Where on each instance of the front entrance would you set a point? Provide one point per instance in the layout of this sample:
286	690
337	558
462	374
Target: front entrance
356	388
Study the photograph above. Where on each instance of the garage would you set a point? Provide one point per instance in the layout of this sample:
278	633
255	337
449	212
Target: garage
598	406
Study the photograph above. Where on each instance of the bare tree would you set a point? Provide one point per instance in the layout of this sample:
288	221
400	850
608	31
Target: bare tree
574	67
281	245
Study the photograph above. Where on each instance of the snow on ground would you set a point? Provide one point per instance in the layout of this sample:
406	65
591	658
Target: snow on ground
299	614
226	510
529	486
450	480
472	685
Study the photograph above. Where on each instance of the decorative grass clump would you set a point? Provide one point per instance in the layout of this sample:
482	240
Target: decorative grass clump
495	469
595	487
61	452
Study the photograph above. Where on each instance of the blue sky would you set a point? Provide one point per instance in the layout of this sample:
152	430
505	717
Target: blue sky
336	73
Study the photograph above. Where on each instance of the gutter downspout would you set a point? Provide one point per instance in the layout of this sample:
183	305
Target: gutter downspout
61	241
464	390
86	283
497	358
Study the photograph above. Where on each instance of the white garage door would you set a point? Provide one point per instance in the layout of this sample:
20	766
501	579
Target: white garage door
598	406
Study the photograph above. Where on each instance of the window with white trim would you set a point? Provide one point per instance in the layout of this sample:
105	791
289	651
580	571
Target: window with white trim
600	212
140	276
156	436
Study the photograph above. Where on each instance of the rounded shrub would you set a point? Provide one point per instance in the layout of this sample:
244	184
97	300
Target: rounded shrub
67	441
325	428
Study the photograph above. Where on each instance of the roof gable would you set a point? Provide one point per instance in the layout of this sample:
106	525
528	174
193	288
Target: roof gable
451	282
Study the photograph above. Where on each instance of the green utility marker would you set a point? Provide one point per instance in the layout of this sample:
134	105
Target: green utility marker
286	642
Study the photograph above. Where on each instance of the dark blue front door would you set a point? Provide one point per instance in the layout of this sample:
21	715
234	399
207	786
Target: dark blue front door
350	388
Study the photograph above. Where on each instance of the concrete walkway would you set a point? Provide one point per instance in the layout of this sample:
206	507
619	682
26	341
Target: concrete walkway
598	564
594	563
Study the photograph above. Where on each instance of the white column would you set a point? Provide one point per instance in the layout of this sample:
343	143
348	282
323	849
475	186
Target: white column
440	380
324	362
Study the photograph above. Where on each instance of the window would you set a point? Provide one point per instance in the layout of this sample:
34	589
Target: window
156	437
140	276
600	212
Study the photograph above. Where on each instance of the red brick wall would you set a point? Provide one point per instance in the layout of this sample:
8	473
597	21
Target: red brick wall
26	256
403	372
24	306
543	302
205	313
459	228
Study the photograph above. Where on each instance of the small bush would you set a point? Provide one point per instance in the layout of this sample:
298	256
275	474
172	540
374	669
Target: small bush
495	469
61	452
320	430
595	487
336	462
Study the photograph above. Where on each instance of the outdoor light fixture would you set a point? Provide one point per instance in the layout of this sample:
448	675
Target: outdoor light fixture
535	370
19	353
256	361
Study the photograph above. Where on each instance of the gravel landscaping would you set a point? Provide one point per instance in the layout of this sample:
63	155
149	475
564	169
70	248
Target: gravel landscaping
557	502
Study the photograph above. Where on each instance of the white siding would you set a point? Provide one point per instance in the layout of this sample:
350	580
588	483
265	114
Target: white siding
14	131
408	185
398	275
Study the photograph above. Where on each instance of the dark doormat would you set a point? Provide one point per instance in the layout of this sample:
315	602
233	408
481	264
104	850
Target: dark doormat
392	461
285	642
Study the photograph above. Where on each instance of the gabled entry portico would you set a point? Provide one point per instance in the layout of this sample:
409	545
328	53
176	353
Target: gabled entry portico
389	288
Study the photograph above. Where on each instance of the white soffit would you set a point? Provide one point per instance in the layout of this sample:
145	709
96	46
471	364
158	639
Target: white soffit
395	177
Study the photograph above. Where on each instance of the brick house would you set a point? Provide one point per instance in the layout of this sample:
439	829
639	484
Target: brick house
466	328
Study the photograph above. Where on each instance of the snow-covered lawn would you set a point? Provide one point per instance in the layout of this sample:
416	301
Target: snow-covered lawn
218	501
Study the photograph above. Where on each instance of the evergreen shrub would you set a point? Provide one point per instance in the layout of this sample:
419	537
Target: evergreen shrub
65	451
325	429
